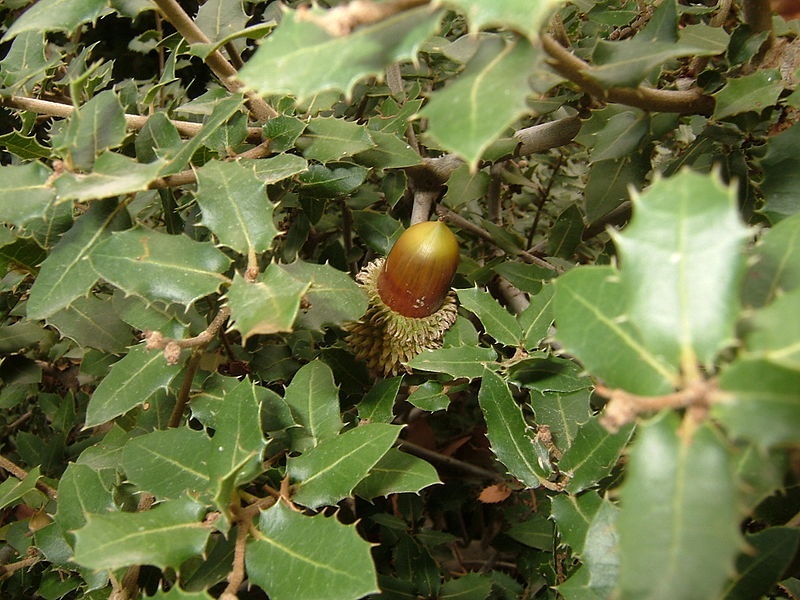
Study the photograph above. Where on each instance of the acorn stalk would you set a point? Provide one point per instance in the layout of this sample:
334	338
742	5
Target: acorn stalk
411	305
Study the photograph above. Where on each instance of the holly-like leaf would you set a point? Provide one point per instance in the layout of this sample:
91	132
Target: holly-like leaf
159	266
781	167
760	402
774	332
333	297
170	463
235	206
333	139
769	554
774	271
96	126
390	152
301	58
163	536
314	399
520	15
295	557
550	374
268	305
673	542
219	19
321	182
590	306
12	489
176	593
498	322
429	396
609	182
25	65
93	323
66	274
563	413
276	168
56	15
24	193
681	267
456	361
377	229
465	121
755	92
573	516
508	432
329	472
592	455
112	175
378	402
132	380
81	491
397	473
622	134
535	320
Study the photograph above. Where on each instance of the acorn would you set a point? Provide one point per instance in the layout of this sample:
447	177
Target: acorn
411	304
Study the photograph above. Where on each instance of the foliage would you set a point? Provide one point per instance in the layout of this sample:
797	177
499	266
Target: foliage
186	200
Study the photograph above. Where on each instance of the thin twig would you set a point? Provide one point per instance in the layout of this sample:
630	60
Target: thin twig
676	101
341	20
237	574
449	461
11	568
172	347
129	586
543	199
21	474
226	72
59	109
423	202
192	364
543	137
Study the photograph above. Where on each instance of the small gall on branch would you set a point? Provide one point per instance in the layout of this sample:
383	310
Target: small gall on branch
155	340
411	305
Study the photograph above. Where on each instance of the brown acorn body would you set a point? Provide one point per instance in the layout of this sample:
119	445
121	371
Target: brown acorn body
410	302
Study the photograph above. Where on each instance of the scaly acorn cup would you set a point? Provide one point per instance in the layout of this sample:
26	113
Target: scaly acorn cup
410	301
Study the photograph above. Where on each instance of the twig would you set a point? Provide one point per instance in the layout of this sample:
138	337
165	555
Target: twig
129	586
423	202
623	407
553	134
186	387
341	20
449	461
173	12
59	109
21	473
462	223
244	520
758	15
514	297
718	20
543	199
573	68
347	238
11	568
172	347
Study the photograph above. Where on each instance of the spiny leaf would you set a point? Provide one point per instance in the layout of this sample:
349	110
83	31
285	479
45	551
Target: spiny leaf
456	361
314	400
24	193
499	323
112	175
56	15
520	15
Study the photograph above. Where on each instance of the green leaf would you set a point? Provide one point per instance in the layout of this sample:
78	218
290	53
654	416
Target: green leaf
681	267
132	380
219	19
673	542
429	396
519	15
282	132
769	553
314	399
550	374
12	489
56	15
525	276
508	432
268	305
397	473
96	126
22	334
329	472
622	134
93	323
26	147
461	333
235	206
80	492
609	182
24	193
390	152
563	413
456	361
498	322
333	297
535	320
748	92
66	274
378	402
159	266
472	586
464	186
573	516
378	230
333	139
773	333
163	536
290	557
592	455
112	175
302	59
463	118
565	235
176	593
781	167
774	271
590	308
321	182
760	402
170	463
276	168
24	66
158	137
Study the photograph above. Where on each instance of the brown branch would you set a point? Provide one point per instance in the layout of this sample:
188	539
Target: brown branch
173	12
11	568
574	69
129	586
541	138
172	347
59	109
623	407
192	364
449	461
341	20
423	202
21	474
758	15
462	223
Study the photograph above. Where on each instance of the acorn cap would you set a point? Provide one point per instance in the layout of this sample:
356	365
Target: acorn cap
417	274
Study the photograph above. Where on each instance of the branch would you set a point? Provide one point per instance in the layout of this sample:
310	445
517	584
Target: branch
758	15
541	138
11	568
21	474
59	109
423	202
341	20
192	365
173	12
172	347
449	461
573	68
